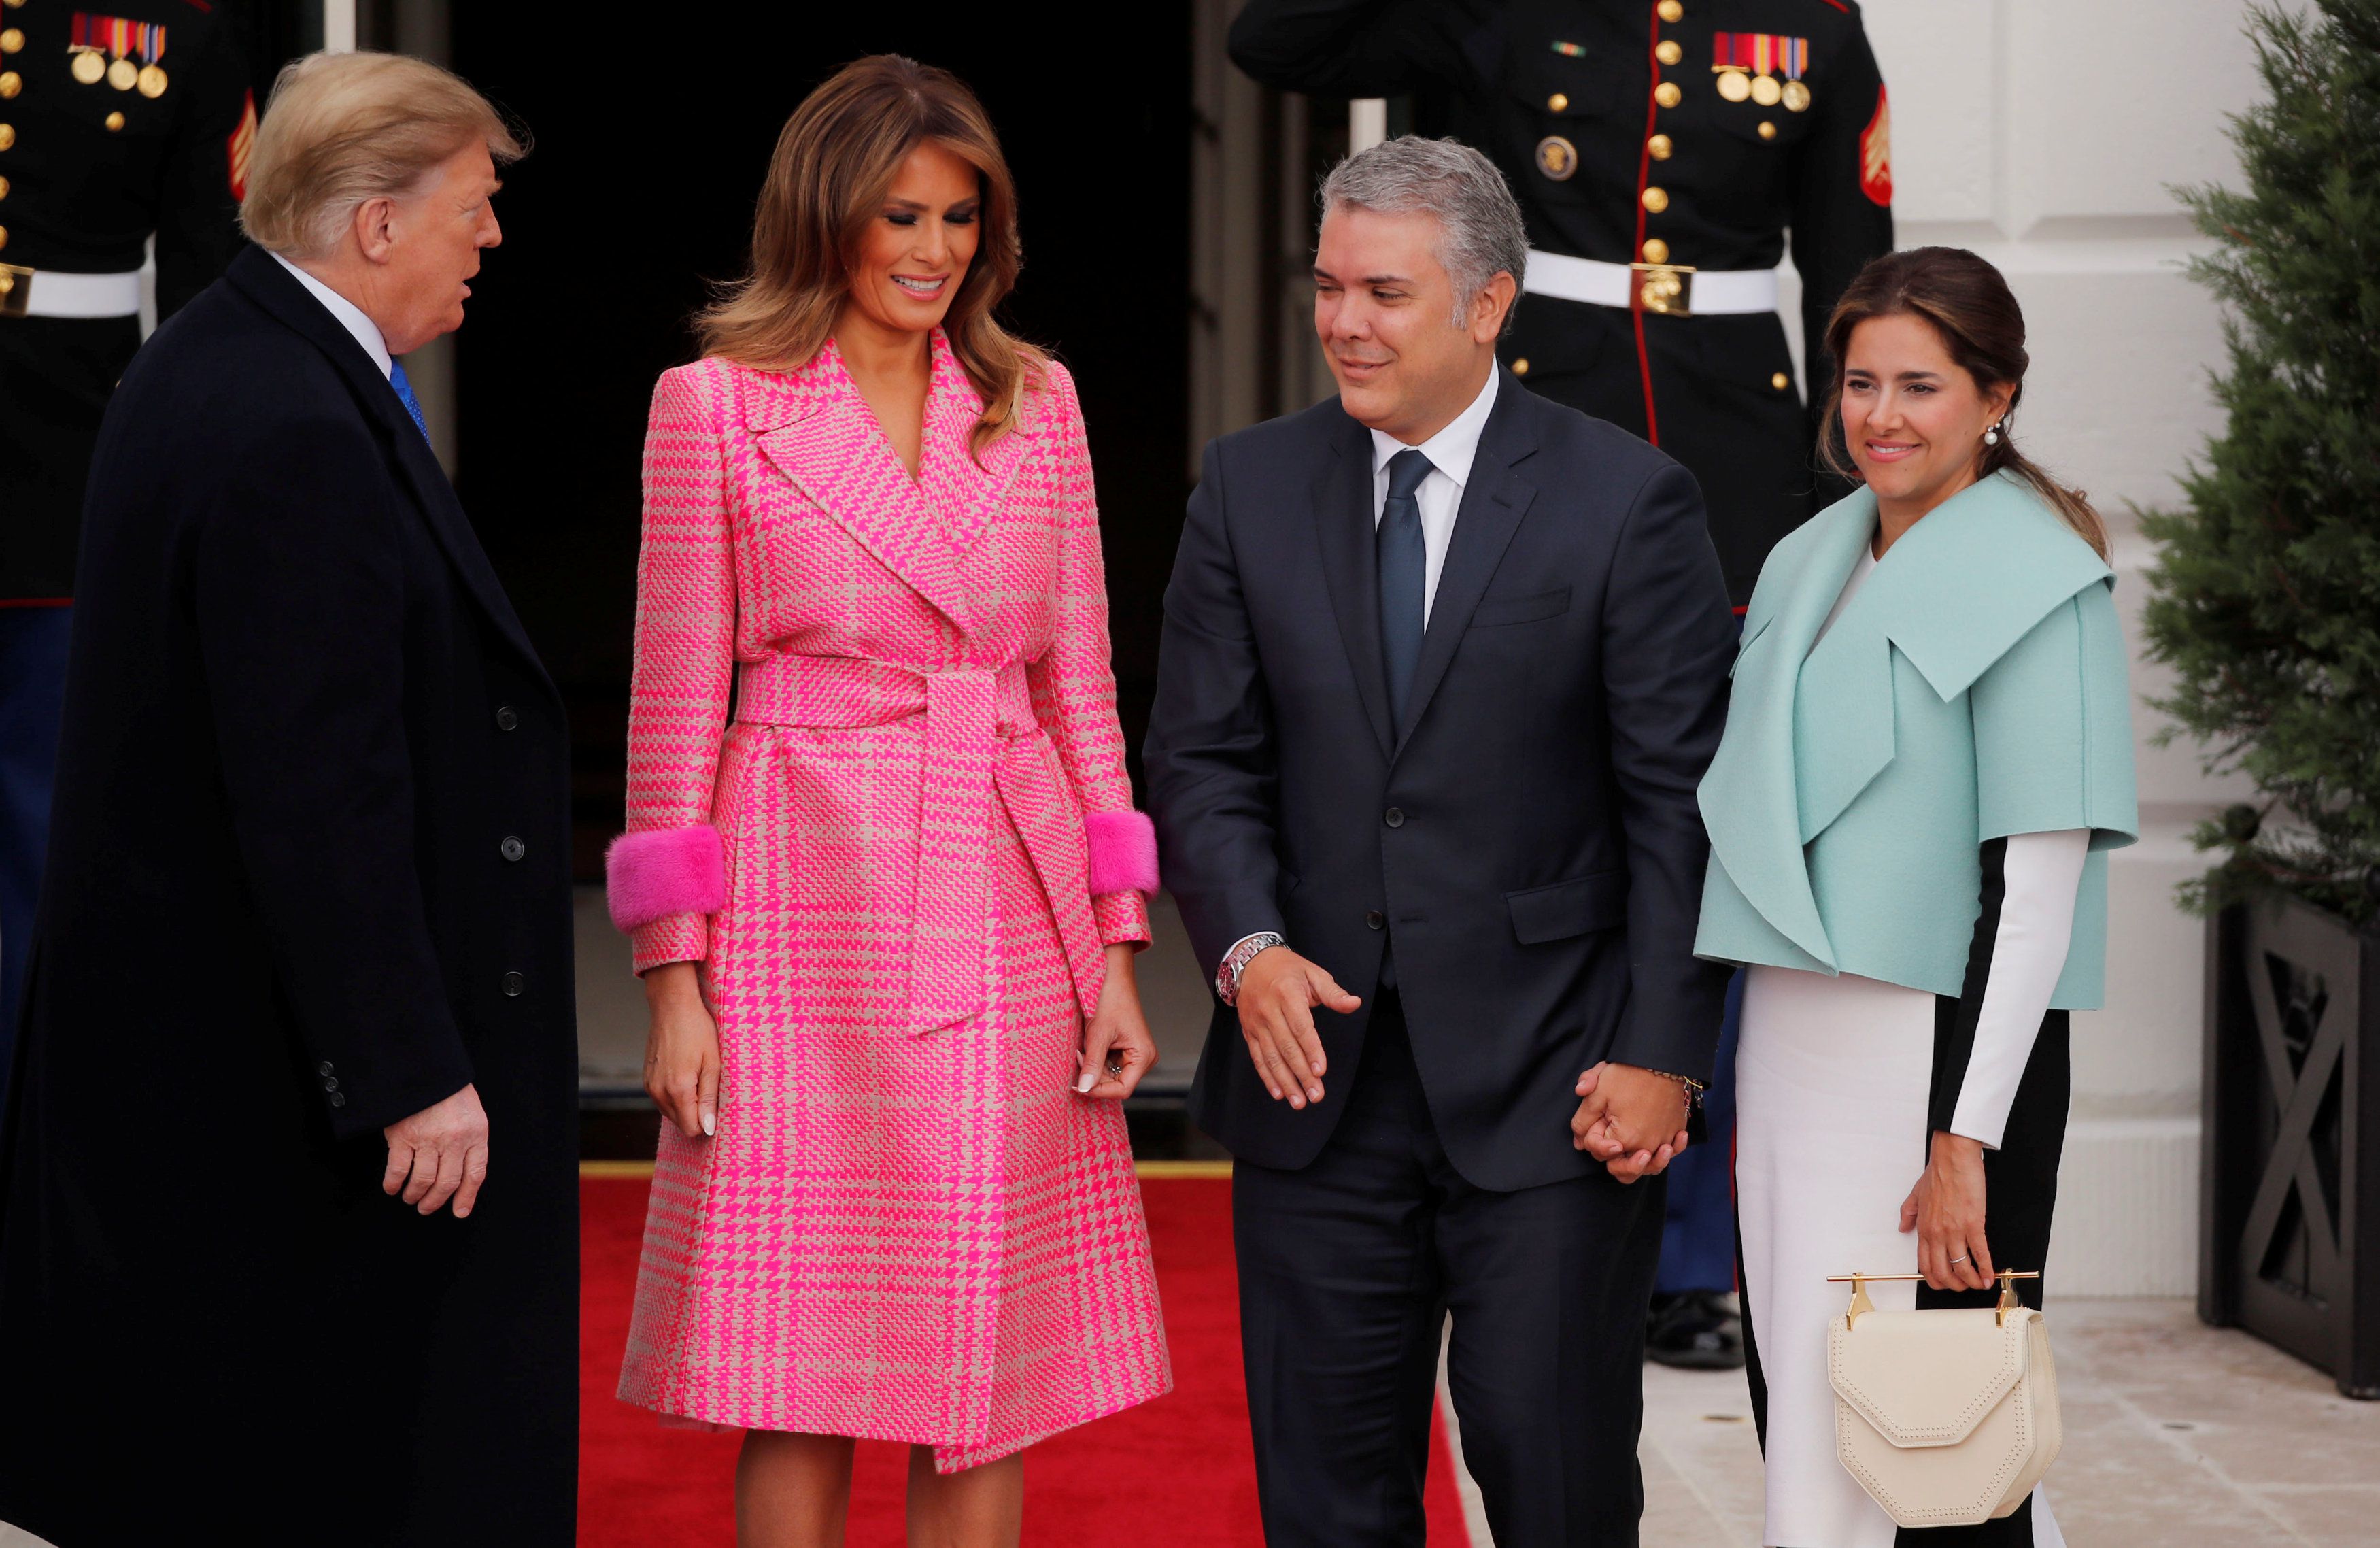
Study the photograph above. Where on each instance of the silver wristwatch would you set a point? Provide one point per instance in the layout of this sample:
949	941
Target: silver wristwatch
1227	977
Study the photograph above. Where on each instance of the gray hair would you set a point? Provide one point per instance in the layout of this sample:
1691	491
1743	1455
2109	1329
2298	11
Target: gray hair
1480	235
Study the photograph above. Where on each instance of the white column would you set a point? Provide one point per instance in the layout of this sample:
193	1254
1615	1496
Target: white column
338	26
1367	123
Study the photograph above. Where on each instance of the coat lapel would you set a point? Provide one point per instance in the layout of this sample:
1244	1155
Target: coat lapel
817	431
966	487
1494	501
272	286
1351	568
1750	798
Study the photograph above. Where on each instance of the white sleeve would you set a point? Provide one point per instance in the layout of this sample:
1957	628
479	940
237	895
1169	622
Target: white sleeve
2040	875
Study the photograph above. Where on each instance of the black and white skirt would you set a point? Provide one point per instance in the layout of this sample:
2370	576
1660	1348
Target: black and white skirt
1835	1080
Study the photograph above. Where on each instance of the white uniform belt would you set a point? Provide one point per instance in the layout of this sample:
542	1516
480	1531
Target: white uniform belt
1672	289
47	293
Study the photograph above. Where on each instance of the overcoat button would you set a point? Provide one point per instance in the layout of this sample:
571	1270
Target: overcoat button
338	1099
1377	919
514	984
1396	817
512	847
323	1068
507	718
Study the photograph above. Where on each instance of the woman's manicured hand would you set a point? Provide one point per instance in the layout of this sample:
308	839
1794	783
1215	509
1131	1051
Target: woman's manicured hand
1116	1048
1945	1210
682	1051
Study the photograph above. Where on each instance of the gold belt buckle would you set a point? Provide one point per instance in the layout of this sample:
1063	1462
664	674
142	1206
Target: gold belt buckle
15	289
1667	288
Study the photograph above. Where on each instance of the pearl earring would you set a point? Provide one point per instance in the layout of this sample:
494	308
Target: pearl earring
1991	436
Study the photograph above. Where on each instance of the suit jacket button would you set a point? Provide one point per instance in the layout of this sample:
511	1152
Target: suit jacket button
323	1068
507	718
1396	817
512	847
1377	919
514	984
338	1099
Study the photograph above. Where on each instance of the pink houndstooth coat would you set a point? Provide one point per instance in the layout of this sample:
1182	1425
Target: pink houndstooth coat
908	1227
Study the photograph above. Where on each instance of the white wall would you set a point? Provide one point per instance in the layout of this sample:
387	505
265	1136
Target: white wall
2046	134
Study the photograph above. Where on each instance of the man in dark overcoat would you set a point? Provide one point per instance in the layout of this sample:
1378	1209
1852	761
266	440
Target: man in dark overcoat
288	1243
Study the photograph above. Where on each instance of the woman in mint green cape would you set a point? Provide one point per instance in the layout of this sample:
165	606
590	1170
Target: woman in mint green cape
1928	754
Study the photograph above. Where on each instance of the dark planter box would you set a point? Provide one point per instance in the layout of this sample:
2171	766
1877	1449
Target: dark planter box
2289	1169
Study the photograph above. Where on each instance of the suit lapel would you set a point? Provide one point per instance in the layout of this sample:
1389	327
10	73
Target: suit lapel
1494	501
271	286
817	431
1351	567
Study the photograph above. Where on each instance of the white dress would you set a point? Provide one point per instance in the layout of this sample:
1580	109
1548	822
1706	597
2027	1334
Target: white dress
1833	1077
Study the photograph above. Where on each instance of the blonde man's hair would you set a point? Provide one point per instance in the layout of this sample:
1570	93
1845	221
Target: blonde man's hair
341	129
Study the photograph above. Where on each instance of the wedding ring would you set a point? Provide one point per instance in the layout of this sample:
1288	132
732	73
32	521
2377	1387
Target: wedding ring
1959	1259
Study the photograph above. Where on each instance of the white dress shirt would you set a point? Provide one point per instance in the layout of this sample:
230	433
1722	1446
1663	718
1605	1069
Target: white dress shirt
351	316
1451	453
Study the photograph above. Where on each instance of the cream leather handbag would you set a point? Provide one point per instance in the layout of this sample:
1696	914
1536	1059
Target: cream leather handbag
1946	1416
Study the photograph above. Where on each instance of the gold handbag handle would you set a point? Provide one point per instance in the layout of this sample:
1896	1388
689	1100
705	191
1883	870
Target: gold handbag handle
1859	1284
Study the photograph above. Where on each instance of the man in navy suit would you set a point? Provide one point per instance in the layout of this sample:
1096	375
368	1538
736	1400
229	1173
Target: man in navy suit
1443	663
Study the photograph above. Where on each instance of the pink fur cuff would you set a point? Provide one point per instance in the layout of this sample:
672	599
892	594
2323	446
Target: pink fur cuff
1124	852
670	871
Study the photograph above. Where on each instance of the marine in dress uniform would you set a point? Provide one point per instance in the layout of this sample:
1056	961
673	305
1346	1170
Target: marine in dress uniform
114	127
1664	153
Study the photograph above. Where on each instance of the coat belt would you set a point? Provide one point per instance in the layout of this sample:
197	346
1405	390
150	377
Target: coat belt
981	740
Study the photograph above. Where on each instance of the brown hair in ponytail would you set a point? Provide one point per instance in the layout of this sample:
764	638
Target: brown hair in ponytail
1971	307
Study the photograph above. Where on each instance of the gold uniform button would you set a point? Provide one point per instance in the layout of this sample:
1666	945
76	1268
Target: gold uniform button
1668	51
1768	129
1557	101
1780	381
1667	95
1520	366
11	84
1656	251
8	136
1670	10
4	188
12	40
1656	200
3	236
114	122
1658	147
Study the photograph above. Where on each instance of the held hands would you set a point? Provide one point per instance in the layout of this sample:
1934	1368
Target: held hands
1116	1048
438	1153
1279	991
1632	1120
1945	1210
682	1050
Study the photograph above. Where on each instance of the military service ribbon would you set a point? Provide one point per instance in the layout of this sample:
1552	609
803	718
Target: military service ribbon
1748	64
104	46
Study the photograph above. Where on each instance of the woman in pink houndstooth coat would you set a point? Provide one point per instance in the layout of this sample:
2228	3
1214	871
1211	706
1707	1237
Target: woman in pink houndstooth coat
886	916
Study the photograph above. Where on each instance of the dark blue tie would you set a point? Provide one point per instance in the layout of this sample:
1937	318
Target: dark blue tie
1404	564
396	379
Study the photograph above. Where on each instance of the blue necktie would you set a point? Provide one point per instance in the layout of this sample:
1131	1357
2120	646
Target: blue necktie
1404	563
397	378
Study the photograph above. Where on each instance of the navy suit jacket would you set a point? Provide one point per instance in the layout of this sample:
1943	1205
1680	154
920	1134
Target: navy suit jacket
1527	838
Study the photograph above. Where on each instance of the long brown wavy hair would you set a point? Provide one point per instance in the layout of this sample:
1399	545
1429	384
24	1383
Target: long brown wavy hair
1972	309
834	163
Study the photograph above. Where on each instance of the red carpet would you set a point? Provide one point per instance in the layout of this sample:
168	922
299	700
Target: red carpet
1176	1473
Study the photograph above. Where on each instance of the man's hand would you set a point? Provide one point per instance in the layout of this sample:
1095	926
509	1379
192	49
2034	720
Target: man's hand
1945	1210
1279	991
1632	1120
438	1153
